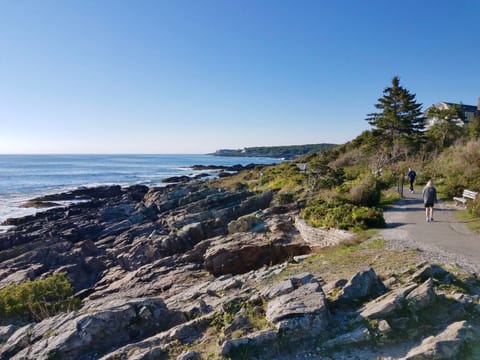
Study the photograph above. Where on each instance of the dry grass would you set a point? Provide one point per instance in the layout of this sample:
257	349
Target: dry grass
249	178
207	346
344	261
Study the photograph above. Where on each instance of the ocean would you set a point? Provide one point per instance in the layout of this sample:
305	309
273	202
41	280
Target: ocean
23	177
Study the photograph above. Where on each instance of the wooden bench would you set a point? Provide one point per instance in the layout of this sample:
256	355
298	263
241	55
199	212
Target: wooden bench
467	194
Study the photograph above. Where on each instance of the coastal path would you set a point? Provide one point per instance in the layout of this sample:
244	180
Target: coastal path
445	240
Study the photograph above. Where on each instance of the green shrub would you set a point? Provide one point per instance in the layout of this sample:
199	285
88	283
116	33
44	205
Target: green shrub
339	217
315	212
285	197
460	168
389	196
368	217
334	214
284	176
387	180
240	186
474	207
366	193
37	299
322	176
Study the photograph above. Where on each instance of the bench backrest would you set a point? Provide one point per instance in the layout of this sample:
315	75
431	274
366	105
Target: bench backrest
469	194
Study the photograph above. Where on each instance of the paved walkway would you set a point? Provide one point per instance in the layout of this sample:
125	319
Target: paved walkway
449	240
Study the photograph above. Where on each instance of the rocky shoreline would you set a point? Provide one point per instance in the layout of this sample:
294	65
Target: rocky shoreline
190	271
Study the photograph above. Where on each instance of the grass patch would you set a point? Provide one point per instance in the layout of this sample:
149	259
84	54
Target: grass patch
463	282
244	180
389	197
457	287
285	177
256	317
374	244
208	346
344	261
472	222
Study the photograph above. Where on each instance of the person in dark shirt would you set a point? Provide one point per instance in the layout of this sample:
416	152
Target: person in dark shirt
411	178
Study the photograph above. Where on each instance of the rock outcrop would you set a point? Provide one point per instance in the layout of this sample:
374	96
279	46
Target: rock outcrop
187	271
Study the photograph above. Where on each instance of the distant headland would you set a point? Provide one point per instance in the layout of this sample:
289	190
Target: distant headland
285	152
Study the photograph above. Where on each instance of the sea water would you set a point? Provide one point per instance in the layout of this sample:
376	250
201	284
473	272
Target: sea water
23	177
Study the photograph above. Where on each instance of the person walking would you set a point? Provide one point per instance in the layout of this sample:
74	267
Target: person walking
411	178
429	195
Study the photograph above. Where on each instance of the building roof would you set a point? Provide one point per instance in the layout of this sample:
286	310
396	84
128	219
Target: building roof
466	108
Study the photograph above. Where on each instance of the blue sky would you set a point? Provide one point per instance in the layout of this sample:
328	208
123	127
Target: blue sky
112	76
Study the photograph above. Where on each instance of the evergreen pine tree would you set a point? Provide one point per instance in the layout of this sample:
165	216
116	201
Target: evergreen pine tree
401	121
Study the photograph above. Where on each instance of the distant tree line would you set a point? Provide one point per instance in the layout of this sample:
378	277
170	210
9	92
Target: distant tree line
286	152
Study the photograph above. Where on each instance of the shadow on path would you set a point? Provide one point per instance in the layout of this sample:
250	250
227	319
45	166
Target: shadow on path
407	205
392	225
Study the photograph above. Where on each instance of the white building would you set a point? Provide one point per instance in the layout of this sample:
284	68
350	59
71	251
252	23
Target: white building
469	110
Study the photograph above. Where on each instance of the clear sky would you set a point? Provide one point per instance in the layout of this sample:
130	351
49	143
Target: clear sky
178	76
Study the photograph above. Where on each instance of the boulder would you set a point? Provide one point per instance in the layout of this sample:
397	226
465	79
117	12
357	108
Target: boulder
242	224
176	179
446	345
224	283
429	271
332	287
116	213
193	233
259	342
287	286
302	312
387	304
364	285
38	204
384	329
7	331
82	193
240	321
241	252
136	192
421	297
355	337
91	330
416	296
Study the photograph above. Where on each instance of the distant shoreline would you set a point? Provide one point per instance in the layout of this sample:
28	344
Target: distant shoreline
288	152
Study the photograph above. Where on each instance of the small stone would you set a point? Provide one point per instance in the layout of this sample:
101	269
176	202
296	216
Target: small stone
384	327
